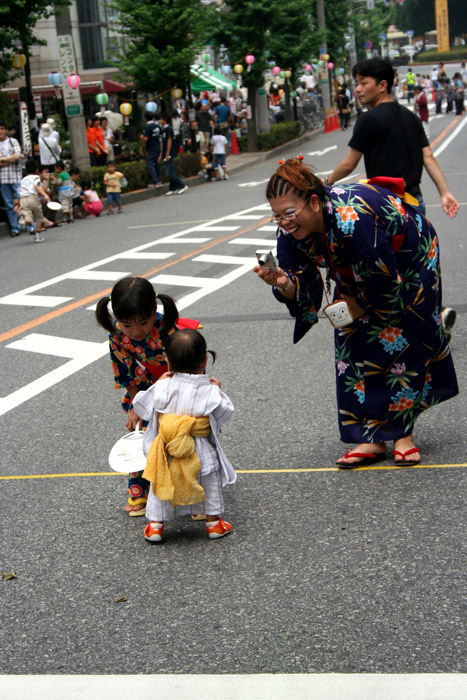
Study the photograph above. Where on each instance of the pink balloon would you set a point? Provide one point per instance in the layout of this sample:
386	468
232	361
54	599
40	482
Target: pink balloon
73	81
331	65
276	70
250	59
308	67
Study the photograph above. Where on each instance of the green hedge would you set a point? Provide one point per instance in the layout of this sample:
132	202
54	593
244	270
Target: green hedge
456	53
136	172
277	136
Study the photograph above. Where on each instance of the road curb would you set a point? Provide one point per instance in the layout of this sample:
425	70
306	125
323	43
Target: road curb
253	159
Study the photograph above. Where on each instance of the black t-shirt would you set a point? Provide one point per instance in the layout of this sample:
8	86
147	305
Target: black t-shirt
167	132
204	121
391	138
342	102
153	134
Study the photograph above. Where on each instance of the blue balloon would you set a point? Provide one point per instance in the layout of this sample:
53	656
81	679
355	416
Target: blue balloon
151	107
55	79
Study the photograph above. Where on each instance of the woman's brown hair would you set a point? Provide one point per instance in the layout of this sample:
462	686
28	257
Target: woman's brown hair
295	176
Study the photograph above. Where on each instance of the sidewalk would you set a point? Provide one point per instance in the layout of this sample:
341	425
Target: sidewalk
236	164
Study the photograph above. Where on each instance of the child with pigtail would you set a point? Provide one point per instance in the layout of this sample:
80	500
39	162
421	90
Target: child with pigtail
137	337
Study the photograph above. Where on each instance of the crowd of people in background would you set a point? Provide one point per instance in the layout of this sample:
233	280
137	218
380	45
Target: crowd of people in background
45	192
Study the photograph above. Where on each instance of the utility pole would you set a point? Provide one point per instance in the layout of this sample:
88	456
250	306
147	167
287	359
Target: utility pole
73	104
324	73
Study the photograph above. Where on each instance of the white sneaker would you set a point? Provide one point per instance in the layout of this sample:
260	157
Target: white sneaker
184	189
159	184
170	192
38	238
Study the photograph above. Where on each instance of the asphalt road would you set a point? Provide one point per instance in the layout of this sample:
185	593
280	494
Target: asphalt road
358	572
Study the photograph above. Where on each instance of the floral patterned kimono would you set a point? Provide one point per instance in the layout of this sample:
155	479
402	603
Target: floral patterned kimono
131	361
394	362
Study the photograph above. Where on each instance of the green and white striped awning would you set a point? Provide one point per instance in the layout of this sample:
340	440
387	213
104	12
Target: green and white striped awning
206	78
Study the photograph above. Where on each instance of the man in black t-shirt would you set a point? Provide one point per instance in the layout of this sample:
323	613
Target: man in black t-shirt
152	140
176	186
205	126
390	137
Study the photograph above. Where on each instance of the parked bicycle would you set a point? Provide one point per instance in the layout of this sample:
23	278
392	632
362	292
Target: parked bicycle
310	114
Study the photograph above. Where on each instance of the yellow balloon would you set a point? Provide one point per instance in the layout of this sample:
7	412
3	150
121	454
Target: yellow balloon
288	73
238	68
176	93
126	109
18	60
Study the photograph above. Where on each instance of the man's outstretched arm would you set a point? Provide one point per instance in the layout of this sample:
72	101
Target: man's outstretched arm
448	201
345	167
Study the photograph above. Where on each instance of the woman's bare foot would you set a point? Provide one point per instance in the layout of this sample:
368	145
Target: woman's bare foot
403	454
365	453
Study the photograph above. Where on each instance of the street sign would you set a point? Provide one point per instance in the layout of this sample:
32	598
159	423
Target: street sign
382	37
73	110
368	45
410	32
72	97
38	104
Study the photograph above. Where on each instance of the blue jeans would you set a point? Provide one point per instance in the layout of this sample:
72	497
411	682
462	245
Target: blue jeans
421	206
9	194
174	181
154	168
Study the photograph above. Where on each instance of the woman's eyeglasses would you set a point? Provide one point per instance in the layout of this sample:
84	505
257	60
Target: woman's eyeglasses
277	218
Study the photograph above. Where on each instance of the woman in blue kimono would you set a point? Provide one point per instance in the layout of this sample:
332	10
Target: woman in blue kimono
393	360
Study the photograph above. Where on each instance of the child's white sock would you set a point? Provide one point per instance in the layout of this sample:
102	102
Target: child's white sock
212	524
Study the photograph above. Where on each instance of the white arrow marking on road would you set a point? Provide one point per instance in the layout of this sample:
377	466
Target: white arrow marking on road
82	352
254	241
254	184
321	153
154	256
57	346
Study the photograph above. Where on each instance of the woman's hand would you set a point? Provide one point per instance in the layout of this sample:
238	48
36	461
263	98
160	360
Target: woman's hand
215	381
275	278
166	375
132	420
355	310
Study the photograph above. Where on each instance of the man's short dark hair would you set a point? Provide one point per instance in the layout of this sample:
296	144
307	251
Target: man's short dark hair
376	68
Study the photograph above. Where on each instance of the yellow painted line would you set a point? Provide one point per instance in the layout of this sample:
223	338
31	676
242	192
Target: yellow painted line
244	471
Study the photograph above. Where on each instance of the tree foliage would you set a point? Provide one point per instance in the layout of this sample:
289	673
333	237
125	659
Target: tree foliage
162	39
18	19
419	15
369	24
292	37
